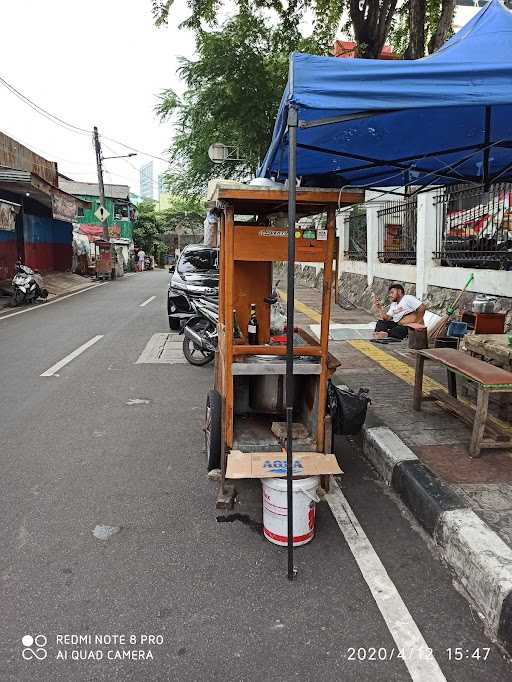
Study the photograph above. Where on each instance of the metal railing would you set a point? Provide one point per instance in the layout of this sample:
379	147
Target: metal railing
355	226
397	223
474	227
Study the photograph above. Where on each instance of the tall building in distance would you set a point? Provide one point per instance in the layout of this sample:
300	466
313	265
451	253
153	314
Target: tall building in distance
146	181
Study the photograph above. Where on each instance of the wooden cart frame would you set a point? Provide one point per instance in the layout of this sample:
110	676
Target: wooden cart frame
247	253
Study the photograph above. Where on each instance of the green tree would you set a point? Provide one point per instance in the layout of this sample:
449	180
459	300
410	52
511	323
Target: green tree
413	25
148	228
185	212
233	92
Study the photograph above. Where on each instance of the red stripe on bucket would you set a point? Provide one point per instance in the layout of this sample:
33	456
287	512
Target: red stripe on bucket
284	538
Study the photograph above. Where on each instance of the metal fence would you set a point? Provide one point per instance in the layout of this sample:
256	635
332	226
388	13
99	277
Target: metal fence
355	226
397	232
474	227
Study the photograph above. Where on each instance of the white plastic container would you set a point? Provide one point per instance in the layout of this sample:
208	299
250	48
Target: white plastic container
275	510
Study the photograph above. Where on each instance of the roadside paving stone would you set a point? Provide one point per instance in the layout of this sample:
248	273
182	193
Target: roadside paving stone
489	497
456	466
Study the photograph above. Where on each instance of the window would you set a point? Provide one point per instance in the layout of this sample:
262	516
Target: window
204	260
121	212
397	232
80	212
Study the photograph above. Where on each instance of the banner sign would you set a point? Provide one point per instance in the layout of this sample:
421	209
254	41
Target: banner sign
8	217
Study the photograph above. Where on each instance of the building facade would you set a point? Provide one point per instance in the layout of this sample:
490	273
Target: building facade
35	214
122	212
147	180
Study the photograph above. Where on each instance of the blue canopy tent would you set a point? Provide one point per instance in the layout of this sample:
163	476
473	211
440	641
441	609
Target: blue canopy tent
443	119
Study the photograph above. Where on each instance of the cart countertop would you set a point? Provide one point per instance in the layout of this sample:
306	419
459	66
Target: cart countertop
250	199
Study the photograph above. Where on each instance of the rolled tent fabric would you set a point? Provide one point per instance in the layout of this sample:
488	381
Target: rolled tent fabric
443	119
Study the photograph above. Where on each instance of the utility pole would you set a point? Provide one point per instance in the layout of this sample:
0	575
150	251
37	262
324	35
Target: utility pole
101	187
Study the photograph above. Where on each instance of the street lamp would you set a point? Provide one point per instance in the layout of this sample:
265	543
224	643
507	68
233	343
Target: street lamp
124	156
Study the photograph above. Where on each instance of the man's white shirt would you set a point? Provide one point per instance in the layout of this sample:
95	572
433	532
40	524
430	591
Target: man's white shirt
408	304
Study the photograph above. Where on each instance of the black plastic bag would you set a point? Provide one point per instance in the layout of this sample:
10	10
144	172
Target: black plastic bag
347	409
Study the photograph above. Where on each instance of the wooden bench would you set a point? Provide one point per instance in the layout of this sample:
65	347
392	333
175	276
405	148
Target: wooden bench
488	378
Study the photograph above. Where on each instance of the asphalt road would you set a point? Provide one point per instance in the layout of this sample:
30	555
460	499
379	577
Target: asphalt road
107	442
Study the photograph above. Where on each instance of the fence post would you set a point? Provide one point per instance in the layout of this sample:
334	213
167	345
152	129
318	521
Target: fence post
372	240
425	241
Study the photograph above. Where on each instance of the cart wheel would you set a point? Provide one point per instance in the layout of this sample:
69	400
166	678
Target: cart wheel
212	429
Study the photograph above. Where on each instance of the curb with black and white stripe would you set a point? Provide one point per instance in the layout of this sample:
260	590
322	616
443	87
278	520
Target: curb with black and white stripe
480	559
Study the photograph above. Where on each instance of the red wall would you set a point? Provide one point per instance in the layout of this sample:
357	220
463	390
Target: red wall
47	257
8	252
47	243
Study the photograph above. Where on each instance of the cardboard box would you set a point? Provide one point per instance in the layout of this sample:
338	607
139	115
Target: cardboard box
273	464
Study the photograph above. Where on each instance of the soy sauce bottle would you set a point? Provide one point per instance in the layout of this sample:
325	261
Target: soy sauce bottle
252	327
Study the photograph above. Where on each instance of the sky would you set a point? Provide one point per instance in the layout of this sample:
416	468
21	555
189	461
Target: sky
90	62
93	62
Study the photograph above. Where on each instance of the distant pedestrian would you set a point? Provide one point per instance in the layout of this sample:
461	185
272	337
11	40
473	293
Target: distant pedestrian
140	256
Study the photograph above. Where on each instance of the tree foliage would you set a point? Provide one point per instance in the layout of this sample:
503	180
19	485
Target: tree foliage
152	227
234	85
148	228
233	89
184	212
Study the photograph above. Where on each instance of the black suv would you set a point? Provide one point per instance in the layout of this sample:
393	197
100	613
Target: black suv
196	274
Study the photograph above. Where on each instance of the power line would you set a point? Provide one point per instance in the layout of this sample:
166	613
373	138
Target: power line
155	183
42	111
69	126
134	149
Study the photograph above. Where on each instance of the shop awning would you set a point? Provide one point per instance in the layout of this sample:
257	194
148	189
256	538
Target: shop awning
443	119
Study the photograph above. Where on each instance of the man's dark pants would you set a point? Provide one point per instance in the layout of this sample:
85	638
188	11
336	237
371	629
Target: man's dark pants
395	330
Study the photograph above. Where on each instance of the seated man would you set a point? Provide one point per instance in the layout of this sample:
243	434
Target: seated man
404	310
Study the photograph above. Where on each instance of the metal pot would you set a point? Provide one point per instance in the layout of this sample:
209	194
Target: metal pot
484	304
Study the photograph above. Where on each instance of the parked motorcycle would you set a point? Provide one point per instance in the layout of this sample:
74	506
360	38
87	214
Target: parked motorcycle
200	332
27	285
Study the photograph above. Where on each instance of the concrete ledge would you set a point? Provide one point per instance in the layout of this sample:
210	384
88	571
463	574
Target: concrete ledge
385	450
425	495
480	559
483	564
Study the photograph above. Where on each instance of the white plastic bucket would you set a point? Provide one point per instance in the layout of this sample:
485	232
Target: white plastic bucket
275	510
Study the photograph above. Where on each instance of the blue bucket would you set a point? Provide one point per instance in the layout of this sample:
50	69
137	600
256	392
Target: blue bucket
458	329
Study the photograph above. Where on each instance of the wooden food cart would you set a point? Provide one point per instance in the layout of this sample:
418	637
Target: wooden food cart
105	267
246	410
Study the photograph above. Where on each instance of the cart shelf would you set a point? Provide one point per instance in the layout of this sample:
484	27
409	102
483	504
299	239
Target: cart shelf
253	365
254	434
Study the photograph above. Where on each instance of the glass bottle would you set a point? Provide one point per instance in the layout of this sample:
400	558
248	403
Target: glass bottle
252	327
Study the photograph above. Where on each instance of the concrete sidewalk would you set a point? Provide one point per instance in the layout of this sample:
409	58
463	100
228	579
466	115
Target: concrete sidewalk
465	504
57	283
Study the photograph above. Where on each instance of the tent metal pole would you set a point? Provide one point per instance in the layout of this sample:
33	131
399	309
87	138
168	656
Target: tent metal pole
347	117
383	162
390	162
487	149
290	314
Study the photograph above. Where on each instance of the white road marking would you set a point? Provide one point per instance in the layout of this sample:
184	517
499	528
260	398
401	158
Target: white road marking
59	365
421	664
151	298
57	300
129	274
